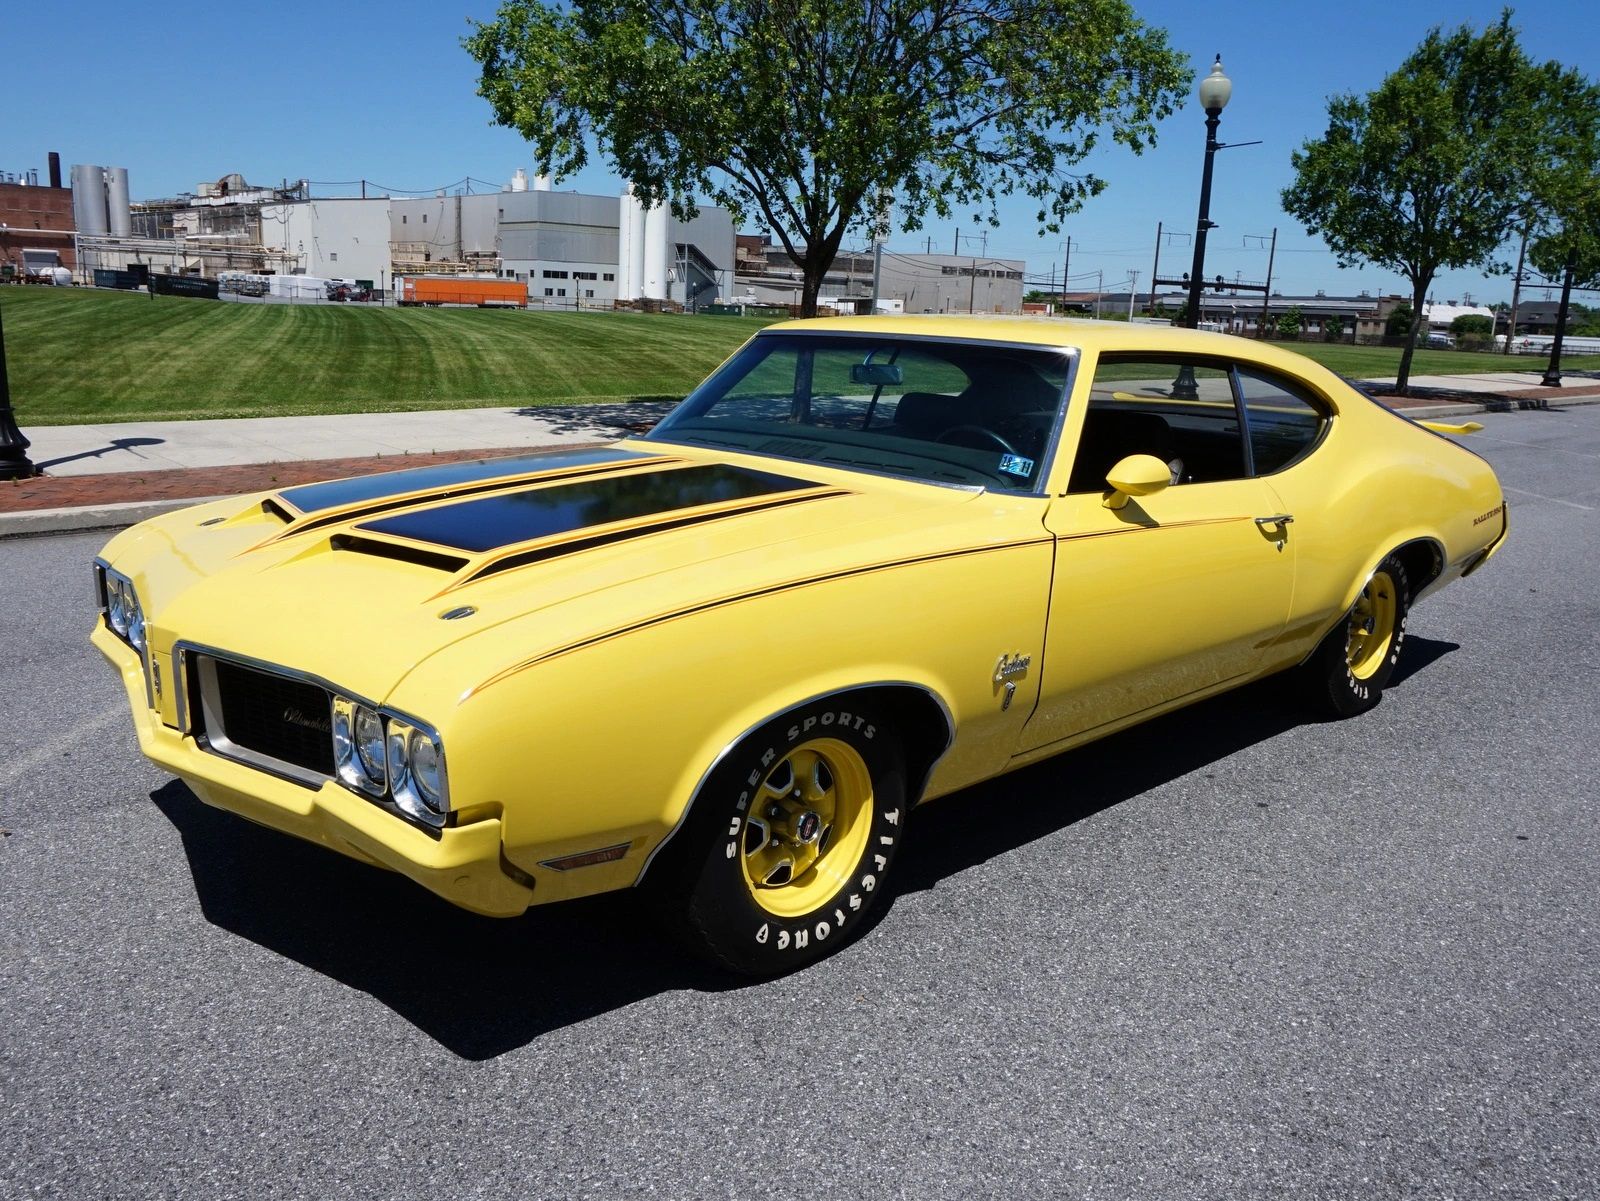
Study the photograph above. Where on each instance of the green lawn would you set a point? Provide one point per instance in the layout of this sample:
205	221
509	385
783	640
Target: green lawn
1381	362
82	356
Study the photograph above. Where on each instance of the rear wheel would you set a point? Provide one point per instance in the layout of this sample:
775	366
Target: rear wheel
1347	674
805	818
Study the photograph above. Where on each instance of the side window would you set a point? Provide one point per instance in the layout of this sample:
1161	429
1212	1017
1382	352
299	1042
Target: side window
1181	412
1284	423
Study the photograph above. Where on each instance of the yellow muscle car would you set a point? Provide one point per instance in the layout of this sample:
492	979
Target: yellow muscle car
867	563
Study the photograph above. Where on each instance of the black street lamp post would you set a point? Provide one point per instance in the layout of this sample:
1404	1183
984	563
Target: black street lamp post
14	461
1215	89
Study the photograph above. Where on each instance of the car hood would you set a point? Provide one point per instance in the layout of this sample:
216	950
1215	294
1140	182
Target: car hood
360	580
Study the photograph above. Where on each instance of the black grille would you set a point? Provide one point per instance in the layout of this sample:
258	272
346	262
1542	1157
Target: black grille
286	719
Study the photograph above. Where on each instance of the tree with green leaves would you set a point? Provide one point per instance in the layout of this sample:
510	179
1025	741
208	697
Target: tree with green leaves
1565	195
1401	322
810	115
1425	173
1290	322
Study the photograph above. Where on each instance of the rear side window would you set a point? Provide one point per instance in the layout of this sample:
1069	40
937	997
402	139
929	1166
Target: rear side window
1285	422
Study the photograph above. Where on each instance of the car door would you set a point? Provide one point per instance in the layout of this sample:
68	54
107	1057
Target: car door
1174	593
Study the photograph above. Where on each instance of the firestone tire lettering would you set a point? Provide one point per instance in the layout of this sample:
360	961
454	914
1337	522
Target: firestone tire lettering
723	919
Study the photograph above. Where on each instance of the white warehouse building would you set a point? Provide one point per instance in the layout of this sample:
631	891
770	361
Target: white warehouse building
331	239
572	250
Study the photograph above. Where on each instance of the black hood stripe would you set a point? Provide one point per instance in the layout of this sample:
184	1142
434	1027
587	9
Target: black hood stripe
571	546
487	523
343	494
342	516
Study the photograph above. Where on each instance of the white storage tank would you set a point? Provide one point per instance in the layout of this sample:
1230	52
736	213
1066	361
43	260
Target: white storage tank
119	214
655	253
627	233
89	198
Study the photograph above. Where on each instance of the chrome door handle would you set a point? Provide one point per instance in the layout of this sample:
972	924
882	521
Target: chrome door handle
1276	519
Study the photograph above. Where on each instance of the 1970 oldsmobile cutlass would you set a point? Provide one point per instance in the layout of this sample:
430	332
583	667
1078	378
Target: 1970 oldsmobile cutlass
867	563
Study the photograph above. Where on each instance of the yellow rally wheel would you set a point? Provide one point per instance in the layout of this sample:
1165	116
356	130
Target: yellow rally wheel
807	827
1371	630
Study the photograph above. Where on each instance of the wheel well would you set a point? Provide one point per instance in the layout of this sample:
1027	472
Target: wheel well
1423	563
923	725
921	720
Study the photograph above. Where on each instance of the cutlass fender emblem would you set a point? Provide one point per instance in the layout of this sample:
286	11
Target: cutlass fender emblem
1011	666
1005	671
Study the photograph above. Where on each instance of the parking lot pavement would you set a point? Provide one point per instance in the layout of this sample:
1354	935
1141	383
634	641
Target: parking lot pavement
1226	955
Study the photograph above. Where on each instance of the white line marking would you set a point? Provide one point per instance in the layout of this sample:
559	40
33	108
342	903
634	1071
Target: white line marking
73	739
1555	500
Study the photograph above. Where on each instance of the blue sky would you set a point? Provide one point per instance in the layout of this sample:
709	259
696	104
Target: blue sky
341	91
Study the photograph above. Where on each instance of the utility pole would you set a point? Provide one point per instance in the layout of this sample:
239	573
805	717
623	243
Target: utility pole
1133	290
1266	295
877	271
1099	287
972	294
1066	271
1155	270
957	249
1516	288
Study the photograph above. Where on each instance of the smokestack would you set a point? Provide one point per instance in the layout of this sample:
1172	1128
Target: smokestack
55	169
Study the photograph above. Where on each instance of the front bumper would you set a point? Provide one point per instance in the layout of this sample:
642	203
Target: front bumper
462	864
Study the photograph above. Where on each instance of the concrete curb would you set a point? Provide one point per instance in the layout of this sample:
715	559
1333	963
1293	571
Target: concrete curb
32	522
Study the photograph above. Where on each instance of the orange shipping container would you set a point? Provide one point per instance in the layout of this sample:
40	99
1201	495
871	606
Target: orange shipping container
485	293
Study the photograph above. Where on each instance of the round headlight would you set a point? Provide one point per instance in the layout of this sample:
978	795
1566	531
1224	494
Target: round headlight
358	746
135	622
117	605
369	743
425	769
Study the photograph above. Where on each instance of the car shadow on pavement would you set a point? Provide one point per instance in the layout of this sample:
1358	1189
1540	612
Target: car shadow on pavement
479	986
484	986
990	819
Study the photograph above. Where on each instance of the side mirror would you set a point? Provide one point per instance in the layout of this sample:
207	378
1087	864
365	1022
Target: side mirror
1136	475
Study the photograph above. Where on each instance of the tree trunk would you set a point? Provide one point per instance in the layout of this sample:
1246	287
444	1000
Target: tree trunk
812	271
1419	296
1552	373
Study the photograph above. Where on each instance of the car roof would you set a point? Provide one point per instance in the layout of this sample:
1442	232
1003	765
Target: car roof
1046	331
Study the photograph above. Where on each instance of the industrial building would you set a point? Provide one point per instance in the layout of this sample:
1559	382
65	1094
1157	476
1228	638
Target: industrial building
909	283
1362	317
36	222
570	250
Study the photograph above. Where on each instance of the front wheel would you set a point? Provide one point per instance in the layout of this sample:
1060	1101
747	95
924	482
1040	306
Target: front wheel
805	817
1347	673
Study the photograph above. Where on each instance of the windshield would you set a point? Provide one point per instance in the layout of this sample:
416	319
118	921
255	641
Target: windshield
941	412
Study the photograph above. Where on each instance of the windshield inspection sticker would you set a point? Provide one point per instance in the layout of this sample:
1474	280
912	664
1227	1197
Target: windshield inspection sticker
1016	465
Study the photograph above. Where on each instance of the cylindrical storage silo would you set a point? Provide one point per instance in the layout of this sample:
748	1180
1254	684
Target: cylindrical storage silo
636	248
119	216
89	198
655	253
541	183
627	232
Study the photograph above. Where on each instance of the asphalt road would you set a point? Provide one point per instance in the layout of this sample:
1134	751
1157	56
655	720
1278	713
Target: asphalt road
1227	955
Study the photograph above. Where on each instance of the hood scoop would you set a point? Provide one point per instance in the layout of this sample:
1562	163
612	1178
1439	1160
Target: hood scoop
381	549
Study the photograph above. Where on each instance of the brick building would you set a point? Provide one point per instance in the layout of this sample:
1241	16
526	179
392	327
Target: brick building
35	217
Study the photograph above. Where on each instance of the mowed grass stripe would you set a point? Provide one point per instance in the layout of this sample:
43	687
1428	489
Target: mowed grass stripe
78	355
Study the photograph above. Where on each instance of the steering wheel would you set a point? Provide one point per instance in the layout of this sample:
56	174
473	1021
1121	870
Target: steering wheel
983	435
